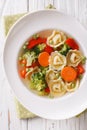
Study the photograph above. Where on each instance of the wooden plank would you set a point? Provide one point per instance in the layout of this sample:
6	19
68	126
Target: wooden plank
38	121
76	8
85	120
24	124
14	122
30	124
15	7
62	124
77	123
33	5
8	116
82	122
83	12
61	5
71	7
2	5
3	102
4	105
57	4
41	4
51	125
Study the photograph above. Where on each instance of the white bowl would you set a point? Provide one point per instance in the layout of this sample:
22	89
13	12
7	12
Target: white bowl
57	108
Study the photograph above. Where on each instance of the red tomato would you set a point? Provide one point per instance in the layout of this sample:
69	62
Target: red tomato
35	64
34	42
48	49
72	43
80	69
23	61
23	73
47	90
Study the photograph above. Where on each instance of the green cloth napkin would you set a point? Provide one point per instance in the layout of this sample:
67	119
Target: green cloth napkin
22	112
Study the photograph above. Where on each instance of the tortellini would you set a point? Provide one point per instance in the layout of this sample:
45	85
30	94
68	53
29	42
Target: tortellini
57	88
74	57
56	39
51	75
30	72
55	83
72	86
57	61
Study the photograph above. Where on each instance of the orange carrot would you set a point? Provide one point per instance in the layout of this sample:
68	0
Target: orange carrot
43	59
69	74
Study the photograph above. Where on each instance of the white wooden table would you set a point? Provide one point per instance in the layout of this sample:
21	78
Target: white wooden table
8	118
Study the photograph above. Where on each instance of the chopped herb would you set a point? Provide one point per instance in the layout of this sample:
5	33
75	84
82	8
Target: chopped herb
41	93
83	59
43	70
51	96
64	49
73	85
39	48
27	69
35	36
38	81
80	76
24	47
22	65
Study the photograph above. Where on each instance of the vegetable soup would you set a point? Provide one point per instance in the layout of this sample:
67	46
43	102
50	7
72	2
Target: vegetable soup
51	63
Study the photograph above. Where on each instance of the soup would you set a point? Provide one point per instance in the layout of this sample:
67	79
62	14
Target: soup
51	63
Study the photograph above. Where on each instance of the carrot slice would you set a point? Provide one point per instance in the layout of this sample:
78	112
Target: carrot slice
69	74
43	59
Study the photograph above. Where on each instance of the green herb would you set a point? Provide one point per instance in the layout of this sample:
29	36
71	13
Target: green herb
43	70
24	47
73	85
84	60
35	36
64	50
38	81
80	76
22	65
51	96
27	69
39	48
